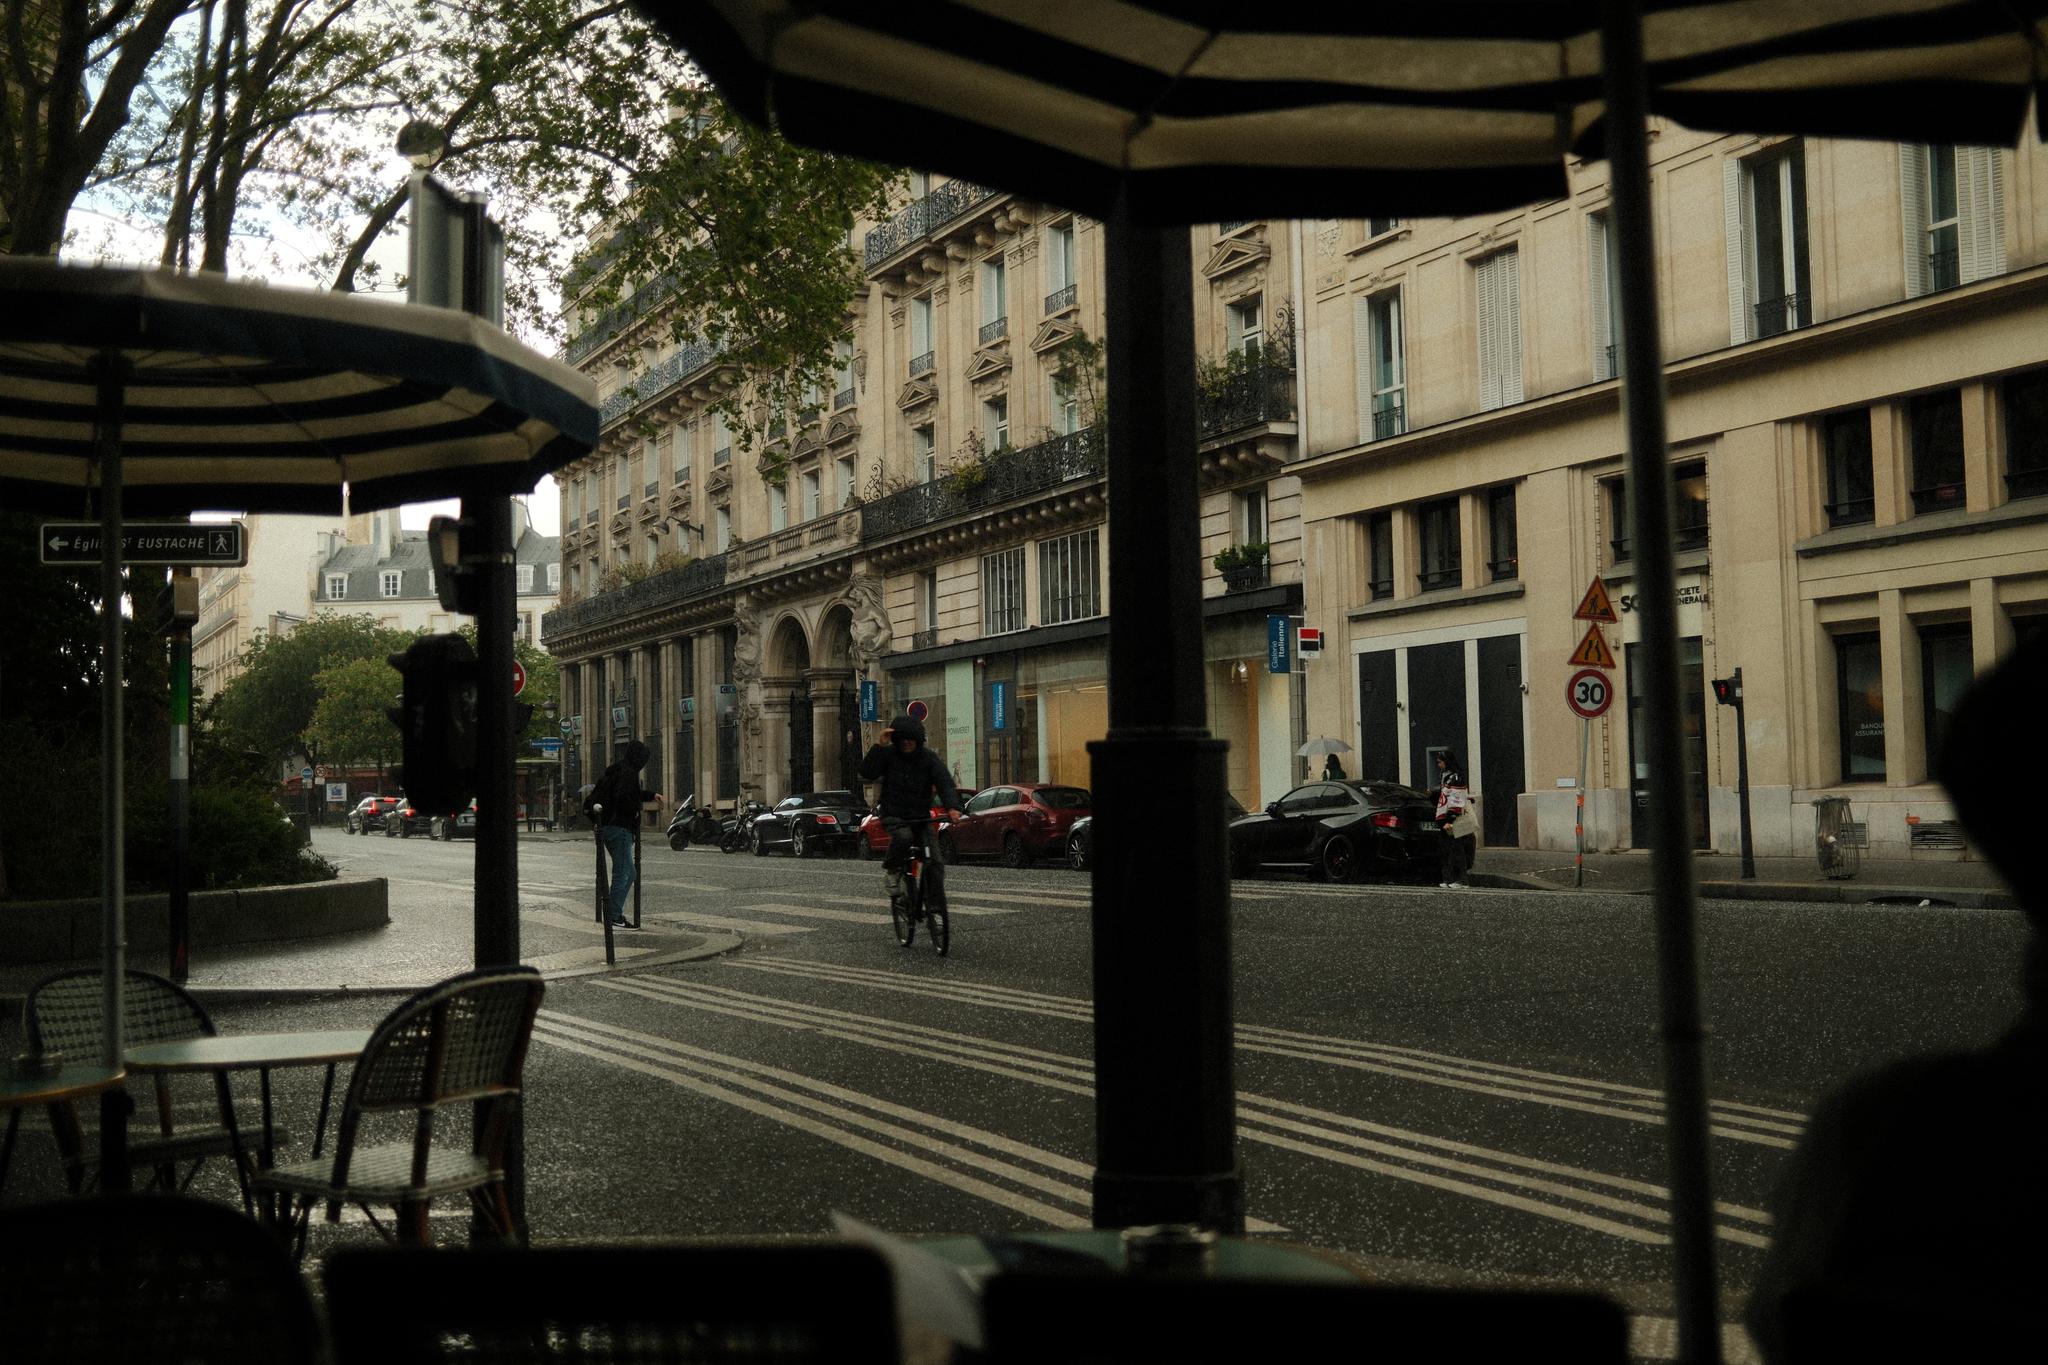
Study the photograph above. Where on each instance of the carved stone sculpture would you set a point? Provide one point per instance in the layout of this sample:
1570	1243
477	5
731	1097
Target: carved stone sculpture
870	634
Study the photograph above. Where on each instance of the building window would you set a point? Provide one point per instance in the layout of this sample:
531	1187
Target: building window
1379	532
1852	490
1946	671
721	441
653	547
721	527
928	603
1935	421
1603	296
995	300
1859	701
1059	267
390	582
1689	506
1243	324
924	454
554	577
2026	434
682	437
1614	498
995	422
1251	517
921	360
1380	227
1500	329
811	504
843	473
1383	370
1066	406
842	396
622	473
525	577
651	474
920	184
1767	275
1436	525
337	587
1002	592
1069	588
1955	215
1504	562
778	506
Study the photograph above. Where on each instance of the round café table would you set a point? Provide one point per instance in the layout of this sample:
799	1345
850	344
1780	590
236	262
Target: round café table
262	1053
71	1082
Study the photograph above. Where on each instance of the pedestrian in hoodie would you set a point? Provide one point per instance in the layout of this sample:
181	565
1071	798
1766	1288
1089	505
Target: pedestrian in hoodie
620	794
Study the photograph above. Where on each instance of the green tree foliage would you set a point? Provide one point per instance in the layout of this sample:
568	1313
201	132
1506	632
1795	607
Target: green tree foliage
349	725
270	706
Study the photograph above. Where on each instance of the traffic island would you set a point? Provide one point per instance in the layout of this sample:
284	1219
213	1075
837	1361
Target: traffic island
69	930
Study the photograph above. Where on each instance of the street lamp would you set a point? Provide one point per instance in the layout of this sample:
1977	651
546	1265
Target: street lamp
555	805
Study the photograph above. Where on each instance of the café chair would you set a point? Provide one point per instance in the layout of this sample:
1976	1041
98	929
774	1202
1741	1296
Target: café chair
1050	1318
157	1279
735	1303
460	1042
63	1014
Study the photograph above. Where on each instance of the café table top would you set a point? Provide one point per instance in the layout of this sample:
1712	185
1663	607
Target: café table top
250	1051
1235	1256
72	1082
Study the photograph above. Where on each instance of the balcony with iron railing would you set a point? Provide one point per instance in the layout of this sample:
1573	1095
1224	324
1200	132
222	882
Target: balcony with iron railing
997	478
1852	512
1446	575
1692	534
619	317
842	399
1938	497
1245	394
1059	299
923	364
994	331
920	218
924	639
1944	269
658	379
1785	313
694	579
1388	419
2025	482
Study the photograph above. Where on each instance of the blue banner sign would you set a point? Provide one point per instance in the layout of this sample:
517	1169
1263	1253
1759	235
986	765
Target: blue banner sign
1279	644
998	706
870	699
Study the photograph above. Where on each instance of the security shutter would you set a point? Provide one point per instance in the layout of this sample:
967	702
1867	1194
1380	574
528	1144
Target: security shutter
1913	214
1980	202
1737	240
1361	332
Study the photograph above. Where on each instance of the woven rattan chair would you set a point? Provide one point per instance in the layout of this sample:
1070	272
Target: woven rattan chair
1048	1319
791	1304
63	1014
148	1280
461	1041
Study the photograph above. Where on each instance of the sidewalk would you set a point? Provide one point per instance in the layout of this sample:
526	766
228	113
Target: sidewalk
1908	881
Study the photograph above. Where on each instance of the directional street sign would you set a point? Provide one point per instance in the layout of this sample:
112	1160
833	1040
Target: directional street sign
147	542
1593	651
1589	694
1596	605
548	745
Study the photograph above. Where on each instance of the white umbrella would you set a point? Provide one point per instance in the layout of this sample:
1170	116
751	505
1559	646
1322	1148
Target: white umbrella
1322	745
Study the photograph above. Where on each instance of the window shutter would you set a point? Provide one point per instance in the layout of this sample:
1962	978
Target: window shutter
1489	338
1361	331
1731	227
1596	296
1233	328
1511	325
1913	215
1981	206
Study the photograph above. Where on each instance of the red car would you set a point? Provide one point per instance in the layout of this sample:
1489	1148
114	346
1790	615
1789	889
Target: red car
1017	823
874	840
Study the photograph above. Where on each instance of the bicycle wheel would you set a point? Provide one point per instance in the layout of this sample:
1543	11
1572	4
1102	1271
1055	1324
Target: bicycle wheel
904	912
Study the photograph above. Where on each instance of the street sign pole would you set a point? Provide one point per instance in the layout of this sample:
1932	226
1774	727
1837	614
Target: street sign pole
1579	814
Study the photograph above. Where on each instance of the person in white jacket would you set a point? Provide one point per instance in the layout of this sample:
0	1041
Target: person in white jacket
1453	800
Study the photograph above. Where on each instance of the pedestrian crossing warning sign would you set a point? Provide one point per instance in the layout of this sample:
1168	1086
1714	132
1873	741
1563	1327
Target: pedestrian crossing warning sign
1596	605
1593	651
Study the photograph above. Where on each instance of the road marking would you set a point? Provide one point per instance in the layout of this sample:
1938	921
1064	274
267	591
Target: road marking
583	957
1657	1339
880	908
1606	1098
764	928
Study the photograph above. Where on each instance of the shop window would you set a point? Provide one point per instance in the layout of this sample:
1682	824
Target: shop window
2026	434
1437	531
1851	491
1379	533
1859	702
1946	671
1002	592
1069	587
1936	424
1689	507
1503	562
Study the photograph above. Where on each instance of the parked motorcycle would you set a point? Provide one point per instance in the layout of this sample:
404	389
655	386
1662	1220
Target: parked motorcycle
692	823
733	833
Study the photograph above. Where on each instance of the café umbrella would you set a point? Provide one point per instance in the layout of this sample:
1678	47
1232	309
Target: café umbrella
1188	111
126	390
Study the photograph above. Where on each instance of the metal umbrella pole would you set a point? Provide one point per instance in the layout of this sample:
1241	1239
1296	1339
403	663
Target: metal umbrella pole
110	371
1685	1098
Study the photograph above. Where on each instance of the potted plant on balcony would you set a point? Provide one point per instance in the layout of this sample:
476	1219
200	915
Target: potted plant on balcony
1242	566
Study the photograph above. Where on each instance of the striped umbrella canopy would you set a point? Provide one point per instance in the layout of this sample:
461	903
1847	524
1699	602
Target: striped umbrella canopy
237	395
1149	112
1198	110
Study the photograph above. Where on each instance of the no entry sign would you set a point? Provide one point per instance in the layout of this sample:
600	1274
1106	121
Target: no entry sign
1589	694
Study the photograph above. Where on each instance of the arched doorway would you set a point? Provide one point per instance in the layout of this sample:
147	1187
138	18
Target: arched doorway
835	704
785	687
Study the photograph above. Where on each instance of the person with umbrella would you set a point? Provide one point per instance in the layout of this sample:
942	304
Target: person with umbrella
1333	769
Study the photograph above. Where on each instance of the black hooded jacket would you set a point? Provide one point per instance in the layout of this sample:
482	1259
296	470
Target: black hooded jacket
619	790
908	780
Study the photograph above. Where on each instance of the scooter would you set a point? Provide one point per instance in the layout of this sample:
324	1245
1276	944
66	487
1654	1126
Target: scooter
733	834
691	823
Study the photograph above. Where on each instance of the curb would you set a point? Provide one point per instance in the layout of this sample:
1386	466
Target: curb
1825	893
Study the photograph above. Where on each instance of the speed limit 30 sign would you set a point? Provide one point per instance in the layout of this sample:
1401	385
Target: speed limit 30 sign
1589	694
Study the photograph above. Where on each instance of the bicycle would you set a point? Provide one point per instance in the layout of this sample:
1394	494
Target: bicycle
912	909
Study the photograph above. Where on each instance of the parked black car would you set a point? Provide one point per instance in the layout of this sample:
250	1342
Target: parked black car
461	825
1081	838
406	820
809	823
1345	831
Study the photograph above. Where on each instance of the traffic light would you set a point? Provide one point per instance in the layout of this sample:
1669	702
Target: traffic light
1728	691
438	722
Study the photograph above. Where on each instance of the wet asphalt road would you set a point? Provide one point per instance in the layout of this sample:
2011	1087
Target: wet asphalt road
1449	1086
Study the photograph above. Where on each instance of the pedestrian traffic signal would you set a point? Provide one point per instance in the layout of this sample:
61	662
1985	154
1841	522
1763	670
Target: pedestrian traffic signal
1728	691
437	721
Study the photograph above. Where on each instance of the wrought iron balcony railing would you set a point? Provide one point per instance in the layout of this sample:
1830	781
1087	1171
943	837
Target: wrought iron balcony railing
1690	535
1245	577
1260	392
999	479
924	639
657	380
1944	269
2026	483
618	317
1390	420
920	219
842	399
694	579
1449	576
1852	511
1058	299
923	364
995	331
721	456
1940	497
1783	314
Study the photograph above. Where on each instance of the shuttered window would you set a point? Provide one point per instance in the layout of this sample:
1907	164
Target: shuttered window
1382	367
1500	330
1764	208
1954	215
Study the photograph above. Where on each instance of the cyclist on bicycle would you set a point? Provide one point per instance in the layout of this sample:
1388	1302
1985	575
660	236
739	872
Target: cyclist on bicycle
910	775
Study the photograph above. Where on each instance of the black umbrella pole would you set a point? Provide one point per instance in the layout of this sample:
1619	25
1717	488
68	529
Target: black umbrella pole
110	375
1685	1102
1165	1093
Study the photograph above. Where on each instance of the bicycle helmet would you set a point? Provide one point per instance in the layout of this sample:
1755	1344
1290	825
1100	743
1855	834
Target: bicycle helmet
908	727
